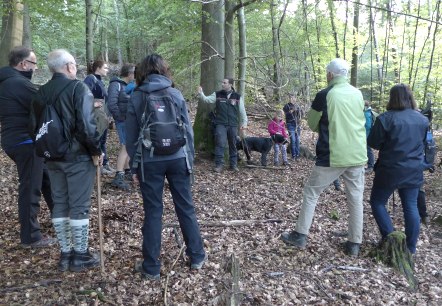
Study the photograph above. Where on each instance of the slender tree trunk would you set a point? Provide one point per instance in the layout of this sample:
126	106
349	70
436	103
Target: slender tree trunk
27	34
304	9
376	50
333	25
117	33
355	52
12	28
229	62
345	27
275	47
433	47
212	69
411	64
127	40
89	32
242	51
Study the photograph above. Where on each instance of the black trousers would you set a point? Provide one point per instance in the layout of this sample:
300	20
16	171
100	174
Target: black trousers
33	181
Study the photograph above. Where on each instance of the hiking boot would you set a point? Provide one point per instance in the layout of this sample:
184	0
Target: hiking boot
83	261
139	268
295	239
199	265
128	175
42	243
218	169
234	169
351	248
119	182
65	260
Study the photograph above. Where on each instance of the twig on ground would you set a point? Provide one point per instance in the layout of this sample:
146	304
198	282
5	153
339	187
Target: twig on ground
168	274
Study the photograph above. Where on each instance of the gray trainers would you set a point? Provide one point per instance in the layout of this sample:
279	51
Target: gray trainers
42	243
199	265
119	182
107	170
295	239
351	248
145	275
218	169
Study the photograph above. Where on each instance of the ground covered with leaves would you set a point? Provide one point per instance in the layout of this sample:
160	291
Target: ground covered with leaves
268	272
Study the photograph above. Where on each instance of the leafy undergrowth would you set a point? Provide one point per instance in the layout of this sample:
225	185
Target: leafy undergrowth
270	272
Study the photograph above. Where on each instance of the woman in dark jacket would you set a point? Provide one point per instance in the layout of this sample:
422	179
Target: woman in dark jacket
153	78
399	135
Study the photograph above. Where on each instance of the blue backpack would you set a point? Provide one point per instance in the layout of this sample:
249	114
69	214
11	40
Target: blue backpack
430	151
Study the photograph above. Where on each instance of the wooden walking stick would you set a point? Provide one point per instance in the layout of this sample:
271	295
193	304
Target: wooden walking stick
100	222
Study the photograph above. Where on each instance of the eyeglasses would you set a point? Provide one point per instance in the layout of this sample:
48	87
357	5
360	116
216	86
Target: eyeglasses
35	63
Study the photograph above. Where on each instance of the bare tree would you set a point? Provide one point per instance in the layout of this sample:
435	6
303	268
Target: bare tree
89	32
12	28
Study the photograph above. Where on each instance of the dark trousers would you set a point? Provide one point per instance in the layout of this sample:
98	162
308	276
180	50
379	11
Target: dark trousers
103	140
33	180
72	184
152	192
225	134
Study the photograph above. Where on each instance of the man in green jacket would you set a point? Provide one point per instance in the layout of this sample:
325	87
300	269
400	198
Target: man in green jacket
337	115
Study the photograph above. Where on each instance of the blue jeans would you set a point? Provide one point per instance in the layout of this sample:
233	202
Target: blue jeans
378	200
370	156
121	130
225	134
152	192
295	133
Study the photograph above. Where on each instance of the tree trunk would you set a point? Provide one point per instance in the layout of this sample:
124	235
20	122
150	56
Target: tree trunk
433	47
275	44
242	51
27	34
355	52
12	28
229	57
117	34
333	25
89	32
304	9
212	69
411	64
376	51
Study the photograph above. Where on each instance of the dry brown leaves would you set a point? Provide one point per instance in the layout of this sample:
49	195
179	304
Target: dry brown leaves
271	273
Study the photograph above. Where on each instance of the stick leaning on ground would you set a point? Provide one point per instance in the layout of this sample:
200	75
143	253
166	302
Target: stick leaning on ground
100	221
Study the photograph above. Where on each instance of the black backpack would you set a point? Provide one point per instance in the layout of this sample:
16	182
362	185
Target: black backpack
162	131
51	141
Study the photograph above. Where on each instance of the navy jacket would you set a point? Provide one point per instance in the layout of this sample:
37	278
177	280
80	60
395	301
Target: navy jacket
399	136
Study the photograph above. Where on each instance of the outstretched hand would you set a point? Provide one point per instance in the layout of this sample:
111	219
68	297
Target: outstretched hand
200	89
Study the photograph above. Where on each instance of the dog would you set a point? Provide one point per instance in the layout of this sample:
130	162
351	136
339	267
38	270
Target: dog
305	152
262	145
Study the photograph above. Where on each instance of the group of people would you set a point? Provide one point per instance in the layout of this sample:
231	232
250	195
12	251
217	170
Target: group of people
337	115
67	182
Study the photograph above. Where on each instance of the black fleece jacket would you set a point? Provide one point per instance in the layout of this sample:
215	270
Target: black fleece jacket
16	93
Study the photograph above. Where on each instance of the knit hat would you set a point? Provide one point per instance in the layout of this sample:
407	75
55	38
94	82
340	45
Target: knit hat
338	67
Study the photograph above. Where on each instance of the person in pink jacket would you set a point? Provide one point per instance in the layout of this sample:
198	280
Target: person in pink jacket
278	133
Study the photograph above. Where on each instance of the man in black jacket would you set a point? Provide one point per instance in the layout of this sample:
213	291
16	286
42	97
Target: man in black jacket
16	91
230	112
73	175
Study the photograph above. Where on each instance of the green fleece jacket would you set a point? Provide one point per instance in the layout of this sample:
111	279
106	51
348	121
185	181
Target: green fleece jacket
337	114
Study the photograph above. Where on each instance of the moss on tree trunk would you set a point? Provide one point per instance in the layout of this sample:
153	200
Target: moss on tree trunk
393	252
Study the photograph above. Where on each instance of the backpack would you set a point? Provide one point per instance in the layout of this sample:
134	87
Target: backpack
429	151
51	141
162	130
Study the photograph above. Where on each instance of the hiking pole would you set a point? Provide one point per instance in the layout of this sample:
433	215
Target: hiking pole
100	222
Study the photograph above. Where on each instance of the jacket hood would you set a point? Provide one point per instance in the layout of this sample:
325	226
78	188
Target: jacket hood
155	82
117	79
8	72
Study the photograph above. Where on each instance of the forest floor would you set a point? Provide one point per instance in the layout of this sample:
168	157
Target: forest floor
270	272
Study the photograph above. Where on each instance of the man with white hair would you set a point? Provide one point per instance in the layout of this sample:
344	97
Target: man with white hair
337	115
73	175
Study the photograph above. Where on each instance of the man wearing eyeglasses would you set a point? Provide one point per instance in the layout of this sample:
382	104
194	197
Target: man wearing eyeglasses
16	92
